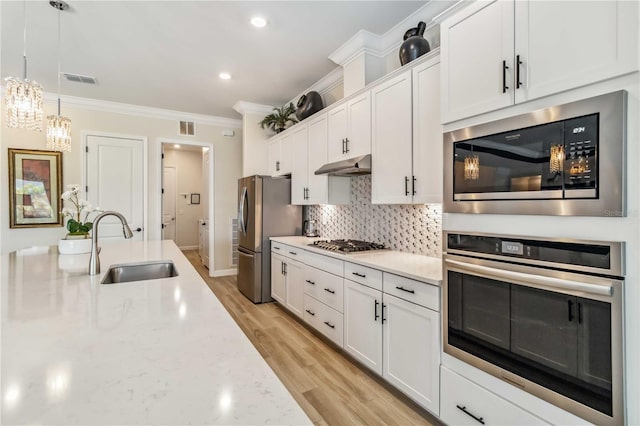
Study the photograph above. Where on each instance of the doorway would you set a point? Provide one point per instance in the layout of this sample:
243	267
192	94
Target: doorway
186	173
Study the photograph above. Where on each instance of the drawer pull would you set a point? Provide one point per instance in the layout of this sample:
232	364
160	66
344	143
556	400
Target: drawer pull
375	311
383	318
293	253
464	410
404	289
359	275
310	282
328	324
310	312
277	248
328	290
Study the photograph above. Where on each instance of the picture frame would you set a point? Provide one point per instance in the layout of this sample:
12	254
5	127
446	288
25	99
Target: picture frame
35	188
195	198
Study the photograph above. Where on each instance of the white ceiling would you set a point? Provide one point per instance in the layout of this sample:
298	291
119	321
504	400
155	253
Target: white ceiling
167	54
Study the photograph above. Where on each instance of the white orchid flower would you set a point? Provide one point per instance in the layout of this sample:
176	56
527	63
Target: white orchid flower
66	195
75	187
86	205
66	211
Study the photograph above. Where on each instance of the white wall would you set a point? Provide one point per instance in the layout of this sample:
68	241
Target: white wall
188	165
227	169
254	145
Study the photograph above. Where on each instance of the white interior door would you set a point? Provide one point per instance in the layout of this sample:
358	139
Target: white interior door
169	204
115	181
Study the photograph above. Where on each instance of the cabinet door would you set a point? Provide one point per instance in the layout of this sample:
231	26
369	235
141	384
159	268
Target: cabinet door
299	166
362	324
427	134
294	287
565	44
359	126
317	153
274	157
286	154
278	283
337	130
475	44
391	175
411	342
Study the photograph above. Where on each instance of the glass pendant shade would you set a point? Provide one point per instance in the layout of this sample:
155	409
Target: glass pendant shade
23	102
58	133
556	158
471	167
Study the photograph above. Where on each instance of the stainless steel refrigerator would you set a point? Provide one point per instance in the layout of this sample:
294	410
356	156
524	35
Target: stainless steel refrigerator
264	210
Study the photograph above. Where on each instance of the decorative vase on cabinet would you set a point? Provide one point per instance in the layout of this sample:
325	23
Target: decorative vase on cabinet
414	45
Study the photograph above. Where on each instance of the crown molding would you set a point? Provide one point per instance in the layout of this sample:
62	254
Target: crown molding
243	107
326	84
362	42
140	111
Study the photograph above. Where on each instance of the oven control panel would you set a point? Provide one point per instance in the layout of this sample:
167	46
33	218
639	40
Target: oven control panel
580	144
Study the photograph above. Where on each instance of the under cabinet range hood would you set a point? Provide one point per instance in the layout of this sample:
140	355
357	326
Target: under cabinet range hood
352	167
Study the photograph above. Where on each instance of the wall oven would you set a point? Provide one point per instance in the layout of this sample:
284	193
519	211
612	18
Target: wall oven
543	315
564	160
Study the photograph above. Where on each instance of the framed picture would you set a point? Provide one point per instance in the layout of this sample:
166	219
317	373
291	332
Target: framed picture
195	198
35	181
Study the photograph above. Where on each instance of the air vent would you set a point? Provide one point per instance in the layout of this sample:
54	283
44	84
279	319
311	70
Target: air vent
77	78
234	241
187	128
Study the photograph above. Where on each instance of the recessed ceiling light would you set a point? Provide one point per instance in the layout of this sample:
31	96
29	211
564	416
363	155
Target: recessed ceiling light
224	75
176	145
258	22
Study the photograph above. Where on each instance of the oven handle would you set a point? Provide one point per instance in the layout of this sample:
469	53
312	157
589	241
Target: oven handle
603	290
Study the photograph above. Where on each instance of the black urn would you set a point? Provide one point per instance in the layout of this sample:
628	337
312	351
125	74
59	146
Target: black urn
308	105
415	45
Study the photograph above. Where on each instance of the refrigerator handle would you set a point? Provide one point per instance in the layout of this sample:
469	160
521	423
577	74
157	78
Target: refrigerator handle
241	223
245	222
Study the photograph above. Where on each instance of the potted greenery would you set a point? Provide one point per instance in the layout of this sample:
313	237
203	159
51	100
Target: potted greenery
278	119
77	239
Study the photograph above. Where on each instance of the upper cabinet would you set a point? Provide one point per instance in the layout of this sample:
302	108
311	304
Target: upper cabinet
309	154
501	52
280	155
349	132
407	137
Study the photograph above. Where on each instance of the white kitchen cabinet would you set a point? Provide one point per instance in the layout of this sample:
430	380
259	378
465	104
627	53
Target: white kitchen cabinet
465	403
501	52
407	137
280	153
324	286
349	129
294	287
326	320
363	324
278	280
411	350
309	154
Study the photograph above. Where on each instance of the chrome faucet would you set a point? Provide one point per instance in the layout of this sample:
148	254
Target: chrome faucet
94	260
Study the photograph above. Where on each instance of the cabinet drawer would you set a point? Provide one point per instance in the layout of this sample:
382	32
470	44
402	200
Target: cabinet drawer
324	319
325	263
363	275
413	291
462	402
287	250
324	286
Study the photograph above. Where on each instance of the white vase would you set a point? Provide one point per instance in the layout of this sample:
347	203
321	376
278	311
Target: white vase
74	246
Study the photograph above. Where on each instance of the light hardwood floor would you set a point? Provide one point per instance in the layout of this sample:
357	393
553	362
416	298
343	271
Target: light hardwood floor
330	387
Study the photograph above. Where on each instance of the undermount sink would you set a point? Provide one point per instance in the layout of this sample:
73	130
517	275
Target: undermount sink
126	272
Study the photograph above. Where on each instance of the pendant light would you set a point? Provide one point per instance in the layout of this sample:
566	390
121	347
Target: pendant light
58	127
23	98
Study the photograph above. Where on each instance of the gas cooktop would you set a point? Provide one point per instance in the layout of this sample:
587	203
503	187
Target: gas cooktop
347	246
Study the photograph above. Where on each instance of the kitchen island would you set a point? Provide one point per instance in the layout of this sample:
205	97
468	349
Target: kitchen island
161	351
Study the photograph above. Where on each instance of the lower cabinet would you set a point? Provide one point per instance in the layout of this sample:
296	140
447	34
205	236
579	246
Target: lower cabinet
278	280
286	283
395	338
465	403
326	320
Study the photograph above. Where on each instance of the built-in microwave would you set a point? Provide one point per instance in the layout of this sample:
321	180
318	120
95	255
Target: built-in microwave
564	160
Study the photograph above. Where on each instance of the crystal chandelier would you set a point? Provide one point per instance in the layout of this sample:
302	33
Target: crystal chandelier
471	166
58	127
556	158
23	98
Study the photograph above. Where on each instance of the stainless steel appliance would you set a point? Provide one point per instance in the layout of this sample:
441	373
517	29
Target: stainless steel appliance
543	315
264	210
564	160
347	246
310	229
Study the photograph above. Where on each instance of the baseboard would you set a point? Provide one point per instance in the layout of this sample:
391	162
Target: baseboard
224	272
188	247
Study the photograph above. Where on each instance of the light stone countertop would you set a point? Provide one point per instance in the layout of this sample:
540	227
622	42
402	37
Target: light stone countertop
422	268
77	352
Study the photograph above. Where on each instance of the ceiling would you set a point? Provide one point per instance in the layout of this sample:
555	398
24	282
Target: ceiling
168	54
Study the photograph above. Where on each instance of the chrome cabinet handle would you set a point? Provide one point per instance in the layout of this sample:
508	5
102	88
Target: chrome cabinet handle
404	289
464	410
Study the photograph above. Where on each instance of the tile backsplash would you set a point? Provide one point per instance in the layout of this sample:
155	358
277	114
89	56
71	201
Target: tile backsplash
412	228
